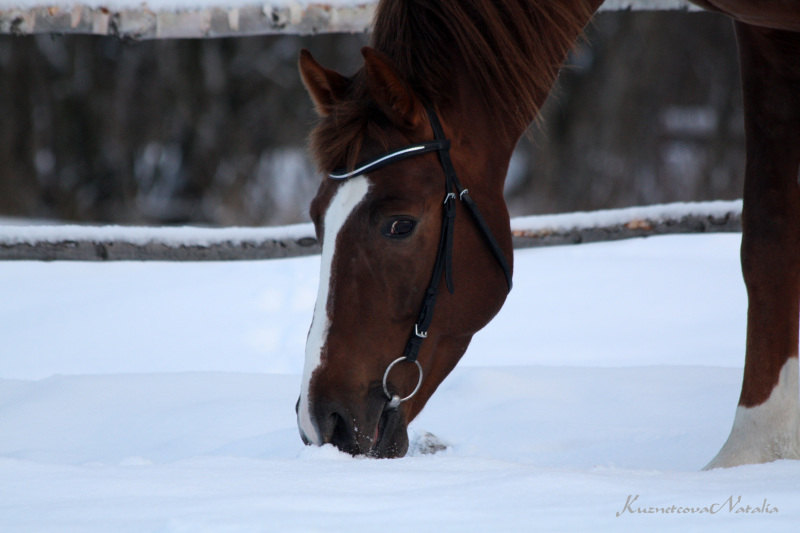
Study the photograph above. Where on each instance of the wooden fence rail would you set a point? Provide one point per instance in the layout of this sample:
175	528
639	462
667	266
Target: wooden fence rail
116	243
170	19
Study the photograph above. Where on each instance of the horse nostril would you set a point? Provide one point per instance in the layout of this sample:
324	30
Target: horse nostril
337	429
343	437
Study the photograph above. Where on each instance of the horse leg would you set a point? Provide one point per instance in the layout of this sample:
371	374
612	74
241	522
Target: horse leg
767	422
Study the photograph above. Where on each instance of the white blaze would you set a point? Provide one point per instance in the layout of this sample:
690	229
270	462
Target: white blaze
769	431
349	195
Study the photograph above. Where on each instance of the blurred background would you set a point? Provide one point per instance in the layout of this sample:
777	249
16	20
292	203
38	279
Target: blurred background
212	132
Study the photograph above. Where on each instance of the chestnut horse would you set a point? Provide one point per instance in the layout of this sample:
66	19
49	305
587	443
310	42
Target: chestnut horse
411	216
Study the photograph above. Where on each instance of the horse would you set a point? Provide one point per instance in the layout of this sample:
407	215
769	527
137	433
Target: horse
416	243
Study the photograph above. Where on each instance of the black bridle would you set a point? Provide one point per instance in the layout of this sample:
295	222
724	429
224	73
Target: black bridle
444	254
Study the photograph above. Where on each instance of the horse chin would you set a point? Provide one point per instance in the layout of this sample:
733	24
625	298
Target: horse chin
391	436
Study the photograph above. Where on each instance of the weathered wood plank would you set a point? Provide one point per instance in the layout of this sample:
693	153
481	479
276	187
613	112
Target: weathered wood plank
136	20
80	243
637	227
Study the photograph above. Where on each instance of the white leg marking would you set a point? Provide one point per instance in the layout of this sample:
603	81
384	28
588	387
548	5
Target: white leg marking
769	431
342	204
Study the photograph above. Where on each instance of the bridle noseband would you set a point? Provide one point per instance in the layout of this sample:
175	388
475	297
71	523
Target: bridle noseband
444	254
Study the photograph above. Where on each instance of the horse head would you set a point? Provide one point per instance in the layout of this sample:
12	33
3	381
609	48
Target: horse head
379	217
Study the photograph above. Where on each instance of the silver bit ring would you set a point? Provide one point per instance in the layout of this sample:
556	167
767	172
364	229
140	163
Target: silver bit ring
394	399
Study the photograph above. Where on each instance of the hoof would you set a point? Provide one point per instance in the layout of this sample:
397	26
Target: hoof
766	432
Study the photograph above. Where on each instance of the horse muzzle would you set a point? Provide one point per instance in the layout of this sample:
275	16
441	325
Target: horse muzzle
374	430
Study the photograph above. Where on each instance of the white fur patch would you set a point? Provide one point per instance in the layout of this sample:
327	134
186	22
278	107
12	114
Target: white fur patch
769	431
349	195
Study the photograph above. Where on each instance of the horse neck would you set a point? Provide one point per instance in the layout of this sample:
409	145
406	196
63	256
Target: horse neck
476	132
487	95
483	128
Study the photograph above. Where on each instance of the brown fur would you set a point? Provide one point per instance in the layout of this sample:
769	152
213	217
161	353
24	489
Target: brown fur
512	50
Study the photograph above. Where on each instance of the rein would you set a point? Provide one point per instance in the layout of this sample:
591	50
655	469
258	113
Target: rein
444	254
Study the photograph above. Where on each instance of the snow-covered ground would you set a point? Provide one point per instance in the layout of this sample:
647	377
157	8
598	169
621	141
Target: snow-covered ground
160	397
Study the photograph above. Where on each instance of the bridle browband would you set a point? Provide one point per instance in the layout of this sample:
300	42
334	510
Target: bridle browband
391	157
444	254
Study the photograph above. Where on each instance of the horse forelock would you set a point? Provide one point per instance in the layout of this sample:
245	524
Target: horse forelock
338	139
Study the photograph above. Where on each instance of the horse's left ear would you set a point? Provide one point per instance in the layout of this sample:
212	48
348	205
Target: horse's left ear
390	91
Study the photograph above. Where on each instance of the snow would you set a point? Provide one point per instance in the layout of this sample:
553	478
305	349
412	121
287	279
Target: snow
142	235
614	217
160	397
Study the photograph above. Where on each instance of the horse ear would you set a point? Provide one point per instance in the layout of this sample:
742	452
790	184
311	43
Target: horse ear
325	86
387	88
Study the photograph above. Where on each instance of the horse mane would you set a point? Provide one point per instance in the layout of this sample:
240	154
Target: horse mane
512	49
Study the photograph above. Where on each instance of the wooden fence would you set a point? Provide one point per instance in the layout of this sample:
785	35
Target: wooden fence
170	19
134	19
116	243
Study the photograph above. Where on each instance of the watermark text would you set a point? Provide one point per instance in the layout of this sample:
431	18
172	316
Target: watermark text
730	505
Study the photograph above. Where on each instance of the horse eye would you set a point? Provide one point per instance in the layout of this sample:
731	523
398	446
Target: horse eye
399	228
